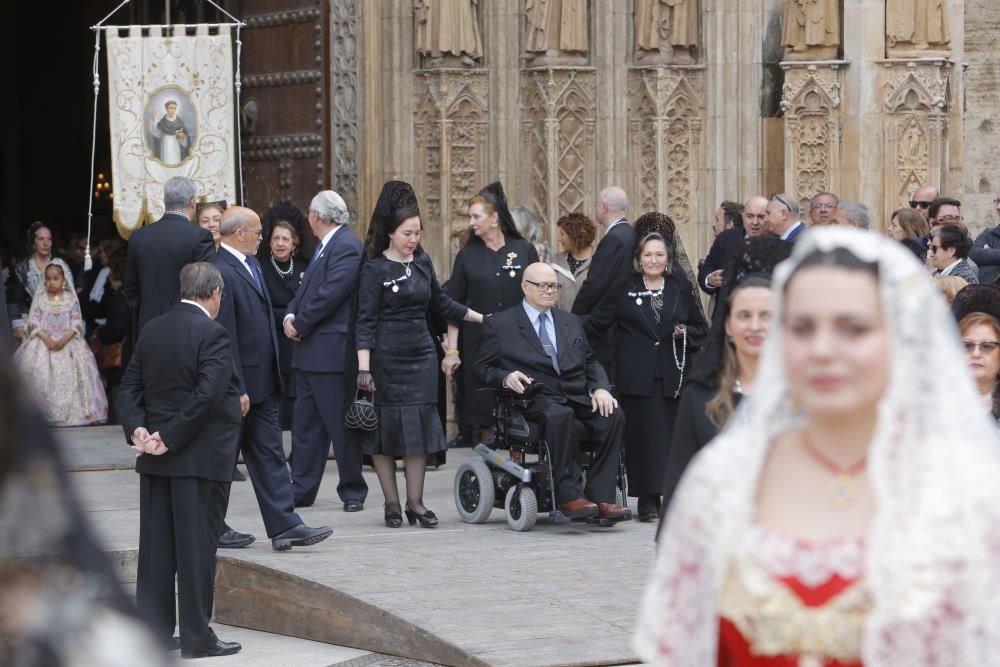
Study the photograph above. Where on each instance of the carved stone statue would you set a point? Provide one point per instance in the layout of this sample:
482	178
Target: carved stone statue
447	32
810	29
666	30
917	28
556	31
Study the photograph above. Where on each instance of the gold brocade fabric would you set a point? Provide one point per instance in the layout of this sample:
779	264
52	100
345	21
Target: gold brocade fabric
774	621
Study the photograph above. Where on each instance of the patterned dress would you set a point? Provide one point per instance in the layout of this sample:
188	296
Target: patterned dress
66	382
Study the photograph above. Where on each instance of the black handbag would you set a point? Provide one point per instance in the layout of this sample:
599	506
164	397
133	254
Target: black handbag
361	413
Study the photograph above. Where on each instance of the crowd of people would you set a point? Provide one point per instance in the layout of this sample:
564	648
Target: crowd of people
851	413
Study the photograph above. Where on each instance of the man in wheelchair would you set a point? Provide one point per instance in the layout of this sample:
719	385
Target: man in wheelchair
536	343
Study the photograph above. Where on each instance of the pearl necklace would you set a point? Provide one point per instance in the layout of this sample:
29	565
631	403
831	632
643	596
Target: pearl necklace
291	266
682	362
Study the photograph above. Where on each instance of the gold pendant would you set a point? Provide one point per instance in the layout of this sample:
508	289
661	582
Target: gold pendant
841	492
638	301
395	288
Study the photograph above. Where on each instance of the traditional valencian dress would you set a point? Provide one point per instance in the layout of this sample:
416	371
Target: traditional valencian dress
66	382
920	589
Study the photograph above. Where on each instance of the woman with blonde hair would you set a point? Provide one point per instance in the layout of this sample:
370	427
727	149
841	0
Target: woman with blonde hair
907	223
950	286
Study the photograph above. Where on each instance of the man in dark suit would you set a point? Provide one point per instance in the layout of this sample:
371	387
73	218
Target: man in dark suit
319	321
533	342
246	315
610	267
179	406
158	252
730	243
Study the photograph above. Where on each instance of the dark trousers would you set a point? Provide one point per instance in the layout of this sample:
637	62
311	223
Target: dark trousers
319	418
179	522
558	429
260	442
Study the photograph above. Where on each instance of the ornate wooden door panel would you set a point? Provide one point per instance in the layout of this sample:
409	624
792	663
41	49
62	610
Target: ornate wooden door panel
286	140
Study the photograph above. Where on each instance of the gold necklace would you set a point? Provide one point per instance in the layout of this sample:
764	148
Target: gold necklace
841	488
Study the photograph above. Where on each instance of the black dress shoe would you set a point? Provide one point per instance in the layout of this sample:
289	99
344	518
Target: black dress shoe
238	476
233	540
215	650
353	505
649	508
300	536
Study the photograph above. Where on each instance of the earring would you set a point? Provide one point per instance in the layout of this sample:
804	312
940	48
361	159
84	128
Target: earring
493	226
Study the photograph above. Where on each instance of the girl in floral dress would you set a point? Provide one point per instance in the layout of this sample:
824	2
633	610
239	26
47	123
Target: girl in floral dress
56	361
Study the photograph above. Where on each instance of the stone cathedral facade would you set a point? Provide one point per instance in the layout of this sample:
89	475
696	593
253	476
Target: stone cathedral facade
682	102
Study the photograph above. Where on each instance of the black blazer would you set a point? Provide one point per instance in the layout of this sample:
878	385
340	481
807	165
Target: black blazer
156	255
246	314
323	305
610	267
645	348
182	382
511	344
725	246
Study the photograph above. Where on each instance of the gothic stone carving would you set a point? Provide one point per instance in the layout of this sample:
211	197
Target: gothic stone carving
556	32
665	111
344	102
558	117
451	121
915	130
810	29
666	31
447	33
811	104
916	28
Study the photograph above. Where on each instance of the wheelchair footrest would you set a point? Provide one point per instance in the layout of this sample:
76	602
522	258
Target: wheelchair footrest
555	516
604	522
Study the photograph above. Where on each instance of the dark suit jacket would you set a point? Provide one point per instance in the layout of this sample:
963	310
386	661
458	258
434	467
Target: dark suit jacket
156	255
725	246
610	267
246	314
511	344
796	233
181	382
323	305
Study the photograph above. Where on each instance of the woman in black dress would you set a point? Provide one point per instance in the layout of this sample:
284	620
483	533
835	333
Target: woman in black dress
397	356
487	278
283	270
659	327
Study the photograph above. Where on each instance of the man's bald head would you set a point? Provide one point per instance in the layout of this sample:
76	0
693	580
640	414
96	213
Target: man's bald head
755	216
240	228
923	198
612	203
540	286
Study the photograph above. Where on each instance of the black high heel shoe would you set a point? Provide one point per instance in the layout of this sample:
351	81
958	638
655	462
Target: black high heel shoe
393	517
427	520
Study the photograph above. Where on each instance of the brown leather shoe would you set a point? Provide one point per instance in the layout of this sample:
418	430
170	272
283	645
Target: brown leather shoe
613	511
581	508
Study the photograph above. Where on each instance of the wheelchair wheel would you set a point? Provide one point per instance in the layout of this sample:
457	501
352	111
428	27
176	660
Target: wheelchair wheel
521	506
474	491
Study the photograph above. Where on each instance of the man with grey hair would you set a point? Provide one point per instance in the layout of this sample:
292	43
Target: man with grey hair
610	267
320	321
821	208
247	316
857	214
158	252
783	217
180	411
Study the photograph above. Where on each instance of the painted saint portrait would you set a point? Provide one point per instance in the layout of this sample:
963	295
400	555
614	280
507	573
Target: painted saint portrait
170	125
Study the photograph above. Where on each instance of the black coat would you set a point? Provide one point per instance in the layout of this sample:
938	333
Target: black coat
282	289
246	314
724	248
156	255
610	267
182	382
645	349
510	344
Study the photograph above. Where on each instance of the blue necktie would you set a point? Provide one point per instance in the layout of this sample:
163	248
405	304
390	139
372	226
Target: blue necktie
543	338
319	251
253	273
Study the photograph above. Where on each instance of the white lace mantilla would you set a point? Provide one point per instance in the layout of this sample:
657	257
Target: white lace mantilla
811	563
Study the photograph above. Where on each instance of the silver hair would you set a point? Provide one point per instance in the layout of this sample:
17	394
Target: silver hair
178	193
615	198
239	219
199	280
330	207
526	222
857	211
788	202
812	200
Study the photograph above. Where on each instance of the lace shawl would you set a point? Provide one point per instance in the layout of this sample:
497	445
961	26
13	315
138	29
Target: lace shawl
932	558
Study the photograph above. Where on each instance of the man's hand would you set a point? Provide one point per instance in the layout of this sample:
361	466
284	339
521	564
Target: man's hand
517	381
290	331
715	278
449	364
245	404
155	445
144	442
602	401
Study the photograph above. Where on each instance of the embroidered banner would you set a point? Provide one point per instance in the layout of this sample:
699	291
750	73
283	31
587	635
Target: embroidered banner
171	105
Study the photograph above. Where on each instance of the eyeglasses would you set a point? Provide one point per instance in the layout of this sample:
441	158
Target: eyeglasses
933	248
258	232
545	287
987	346
996	202
919	204
942	219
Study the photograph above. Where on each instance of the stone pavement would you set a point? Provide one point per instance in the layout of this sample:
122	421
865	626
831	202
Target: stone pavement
475	594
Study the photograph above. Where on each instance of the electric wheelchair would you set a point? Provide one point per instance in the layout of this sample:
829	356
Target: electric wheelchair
517	475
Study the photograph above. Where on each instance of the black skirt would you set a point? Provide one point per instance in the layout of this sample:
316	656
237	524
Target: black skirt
649	425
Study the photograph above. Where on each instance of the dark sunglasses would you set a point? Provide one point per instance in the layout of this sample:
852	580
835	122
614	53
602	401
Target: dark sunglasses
920	204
